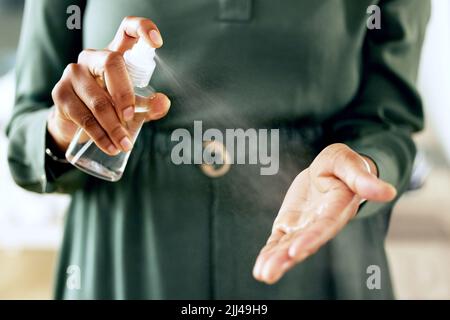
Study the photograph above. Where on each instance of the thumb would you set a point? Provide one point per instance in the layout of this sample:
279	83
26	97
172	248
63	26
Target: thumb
355	171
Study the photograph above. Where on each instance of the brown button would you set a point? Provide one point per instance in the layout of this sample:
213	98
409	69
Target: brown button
217	150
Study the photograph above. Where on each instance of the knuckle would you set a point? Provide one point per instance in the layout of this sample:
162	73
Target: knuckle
89	123
117	132
100	104
83	55
60	92
337	146
101	139
126	19
113	60
71	69
145	24
340	153
348	156
126	97
335	149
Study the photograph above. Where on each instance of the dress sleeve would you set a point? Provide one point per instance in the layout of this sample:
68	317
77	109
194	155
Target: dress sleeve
46	46
379	123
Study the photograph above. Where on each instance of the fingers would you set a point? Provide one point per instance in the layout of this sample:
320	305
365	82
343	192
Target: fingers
284	250
319	203
273	255
158	106
110	66
273	260
350	167
344	163
100	105
112	106
97	93
274	267
74	109
133	28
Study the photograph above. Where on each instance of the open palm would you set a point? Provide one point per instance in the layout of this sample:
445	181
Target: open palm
319	203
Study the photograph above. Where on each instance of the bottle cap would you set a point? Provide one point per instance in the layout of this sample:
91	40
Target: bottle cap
140	63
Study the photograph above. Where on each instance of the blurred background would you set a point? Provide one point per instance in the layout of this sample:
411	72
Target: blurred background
418	244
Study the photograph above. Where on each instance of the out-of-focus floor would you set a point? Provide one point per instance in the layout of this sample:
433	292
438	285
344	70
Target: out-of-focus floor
26	274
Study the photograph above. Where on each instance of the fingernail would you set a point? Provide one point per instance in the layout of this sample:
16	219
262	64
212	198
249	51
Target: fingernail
165	109
162	110
128	113
292	251
393	189
266	274
112	149
156	38
257	269
126	144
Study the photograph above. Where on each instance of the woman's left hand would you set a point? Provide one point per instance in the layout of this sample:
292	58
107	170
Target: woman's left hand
319	203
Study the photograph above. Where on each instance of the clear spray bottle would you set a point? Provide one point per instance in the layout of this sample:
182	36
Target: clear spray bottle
83	153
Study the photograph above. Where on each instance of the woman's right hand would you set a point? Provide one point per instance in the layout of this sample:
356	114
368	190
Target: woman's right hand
97	95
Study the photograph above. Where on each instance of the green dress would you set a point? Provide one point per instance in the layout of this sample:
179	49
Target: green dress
312	69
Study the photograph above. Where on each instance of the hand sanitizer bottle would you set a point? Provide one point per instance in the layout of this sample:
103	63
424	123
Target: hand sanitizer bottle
84	153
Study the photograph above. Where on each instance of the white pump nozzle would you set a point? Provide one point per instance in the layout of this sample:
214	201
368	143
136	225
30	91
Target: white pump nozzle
140	63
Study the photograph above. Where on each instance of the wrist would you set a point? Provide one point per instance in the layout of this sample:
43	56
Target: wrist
58	144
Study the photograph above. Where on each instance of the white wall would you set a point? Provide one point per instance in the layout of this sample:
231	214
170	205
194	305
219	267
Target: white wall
434	75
